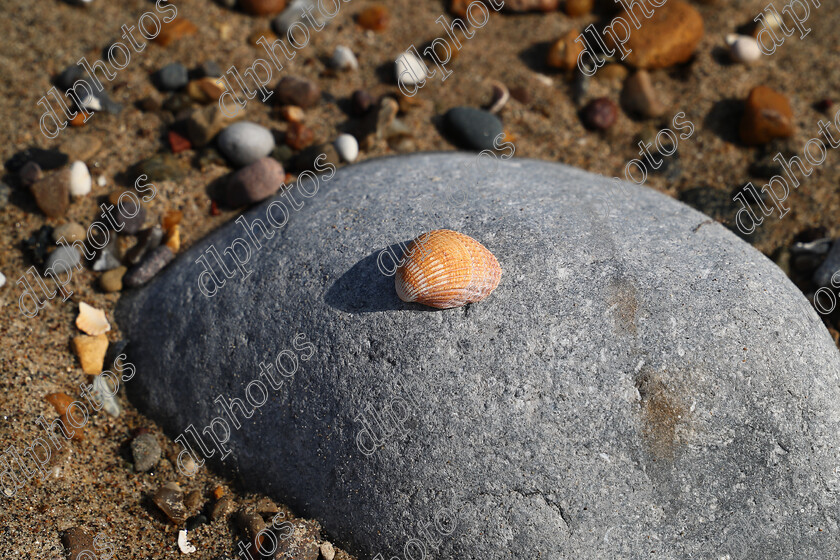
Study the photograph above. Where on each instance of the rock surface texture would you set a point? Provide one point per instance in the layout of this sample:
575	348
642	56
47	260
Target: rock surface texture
643	382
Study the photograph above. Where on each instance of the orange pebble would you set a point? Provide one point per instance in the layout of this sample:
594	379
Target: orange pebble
171	218
218	492
175	29
62	403
78	120
375	18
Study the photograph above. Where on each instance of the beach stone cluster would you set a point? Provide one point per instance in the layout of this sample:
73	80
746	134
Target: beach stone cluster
645	383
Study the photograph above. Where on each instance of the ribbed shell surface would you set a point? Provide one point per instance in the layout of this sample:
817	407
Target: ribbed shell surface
446	269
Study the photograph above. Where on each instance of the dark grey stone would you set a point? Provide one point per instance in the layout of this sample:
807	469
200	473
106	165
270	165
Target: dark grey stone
171	77
642	386
830	266
472	128
154	262
146	452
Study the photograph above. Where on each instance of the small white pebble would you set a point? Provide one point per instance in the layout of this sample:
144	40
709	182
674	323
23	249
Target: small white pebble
80	181
743	49
102	181
2	280
416	69
183	543
344	59
347	147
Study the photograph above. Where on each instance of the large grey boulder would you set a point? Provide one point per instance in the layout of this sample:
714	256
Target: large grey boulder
640	385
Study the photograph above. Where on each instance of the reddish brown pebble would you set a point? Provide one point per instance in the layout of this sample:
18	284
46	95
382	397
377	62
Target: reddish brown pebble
459	8
255	182
177	142
521	94
298	136
577	8
52	193
78	119
262	7
531	5
375	18
78	543
214	208
563	54
255	37
599	114
767	115
297	91
362	102
62	403
175	29
824	105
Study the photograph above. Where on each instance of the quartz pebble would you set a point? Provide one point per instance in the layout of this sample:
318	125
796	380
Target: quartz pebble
171	77
170	499
639	97
105	392
63	260
146	452
111	281
80	181
599	114
292	15
473	128
743	49
292	90
343	59
243	143
91	352
347	147
255	182
669	37
767	115
52	193
327	551
151	265
410	70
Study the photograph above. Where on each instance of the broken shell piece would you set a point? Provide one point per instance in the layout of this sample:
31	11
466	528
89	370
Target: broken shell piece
447	269
91	320
183	543
500	97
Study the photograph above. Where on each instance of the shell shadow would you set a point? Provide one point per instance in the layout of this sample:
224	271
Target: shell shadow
366	289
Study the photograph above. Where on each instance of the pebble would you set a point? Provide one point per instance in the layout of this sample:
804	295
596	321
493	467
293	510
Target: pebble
30	173
100	101
151	265
243	143
669	37
343	59
374	18
62	402
473	128
146	452
327	551
292	90
563	53
193	501
577	8
2	279
80	181
177	143
162	167
5	193
638	96
127	225
299	136
531	5
204	90
108	257
103	390
347	147
171	77
170	499
77	542
743	48
71	231
46	159
362	101
262	7
81	148
612	71
255	182
767	115
416	69
292	113
174	30
67	77
91	352
222	508
148	239
292	14
63	260
599	114
38	244
111	281
205	123
177	102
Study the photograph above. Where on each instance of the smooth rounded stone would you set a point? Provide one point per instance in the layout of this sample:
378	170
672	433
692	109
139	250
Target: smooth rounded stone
171	77
822	276
151	265
292	14
256	182
209	69
473	128
52	193
170	499
743	48
243	143
639	97
146	452
767	116
63	260
291	90
80	181
599	114
347	147
111	281
600	398
362	101
670	36
343	59
563	53
578	8
2	279
409	69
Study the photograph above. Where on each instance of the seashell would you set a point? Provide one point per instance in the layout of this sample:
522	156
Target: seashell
91	320
444	268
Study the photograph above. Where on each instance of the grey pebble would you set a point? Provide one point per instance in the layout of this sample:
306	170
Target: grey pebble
171	77
147	240
151	265
472	128
146	452
831	265
243	143
63	260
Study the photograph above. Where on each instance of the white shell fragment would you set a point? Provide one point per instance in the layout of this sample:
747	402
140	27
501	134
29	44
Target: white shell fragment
743	49
183	543
80	181
91	320
344	59
347	147
416	69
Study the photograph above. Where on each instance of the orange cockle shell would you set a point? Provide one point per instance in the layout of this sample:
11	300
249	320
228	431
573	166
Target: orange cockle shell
444	269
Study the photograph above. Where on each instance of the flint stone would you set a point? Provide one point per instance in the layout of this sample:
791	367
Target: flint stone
650	378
